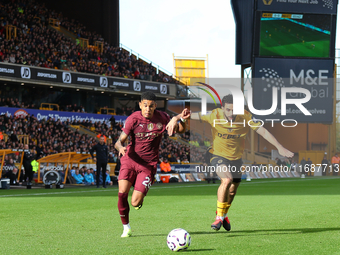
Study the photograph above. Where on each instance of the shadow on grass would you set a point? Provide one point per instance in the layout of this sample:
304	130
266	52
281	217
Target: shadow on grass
270	231
194	250
238	233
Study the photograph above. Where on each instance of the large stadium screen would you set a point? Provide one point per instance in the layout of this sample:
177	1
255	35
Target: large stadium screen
295	35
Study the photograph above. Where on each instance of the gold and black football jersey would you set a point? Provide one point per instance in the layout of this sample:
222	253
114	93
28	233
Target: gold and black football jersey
229	141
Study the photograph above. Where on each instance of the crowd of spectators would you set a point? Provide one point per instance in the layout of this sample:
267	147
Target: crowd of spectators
38	45
48	137
14	102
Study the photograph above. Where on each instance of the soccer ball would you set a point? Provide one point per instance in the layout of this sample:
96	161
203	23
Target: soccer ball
178	239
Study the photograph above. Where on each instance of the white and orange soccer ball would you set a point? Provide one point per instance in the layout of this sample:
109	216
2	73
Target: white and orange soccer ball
178	239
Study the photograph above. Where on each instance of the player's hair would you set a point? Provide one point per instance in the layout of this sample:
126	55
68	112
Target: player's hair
148	96
228	99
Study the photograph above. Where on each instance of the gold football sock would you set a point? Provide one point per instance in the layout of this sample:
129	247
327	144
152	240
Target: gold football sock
226	209
221	208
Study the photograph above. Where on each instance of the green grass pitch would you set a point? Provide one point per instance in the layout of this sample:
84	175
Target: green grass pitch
276	216
284	38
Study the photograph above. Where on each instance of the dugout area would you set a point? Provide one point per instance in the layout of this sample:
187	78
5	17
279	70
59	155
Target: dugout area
11	159
64	162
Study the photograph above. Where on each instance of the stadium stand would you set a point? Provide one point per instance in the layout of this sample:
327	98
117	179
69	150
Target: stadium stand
14	102
36	43
32	35
48	137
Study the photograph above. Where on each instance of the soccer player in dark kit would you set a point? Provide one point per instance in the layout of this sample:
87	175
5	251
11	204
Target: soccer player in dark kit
139	159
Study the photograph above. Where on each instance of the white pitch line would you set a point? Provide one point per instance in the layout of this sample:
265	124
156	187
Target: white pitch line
169	187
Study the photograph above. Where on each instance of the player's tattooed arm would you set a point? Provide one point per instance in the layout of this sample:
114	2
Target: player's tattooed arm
174	127
185	115
120	144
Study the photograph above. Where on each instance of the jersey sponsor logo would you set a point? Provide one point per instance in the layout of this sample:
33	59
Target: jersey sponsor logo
159	125
220	161
147	136
227	136
230	130
141	125
150	126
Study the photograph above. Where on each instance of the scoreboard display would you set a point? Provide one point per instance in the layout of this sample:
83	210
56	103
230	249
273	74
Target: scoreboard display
293	35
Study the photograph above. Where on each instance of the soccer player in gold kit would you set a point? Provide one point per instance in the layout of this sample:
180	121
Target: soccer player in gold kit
227	151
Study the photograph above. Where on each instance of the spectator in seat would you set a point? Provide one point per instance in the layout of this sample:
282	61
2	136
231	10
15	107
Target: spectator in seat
165	166
78	177
111	159
92	172
12	176
88	178
73	171
293	166
185	160
287	162
108	178
172	158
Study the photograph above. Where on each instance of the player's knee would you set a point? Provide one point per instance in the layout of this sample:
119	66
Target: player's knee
123	190
232	192
136	202
226	182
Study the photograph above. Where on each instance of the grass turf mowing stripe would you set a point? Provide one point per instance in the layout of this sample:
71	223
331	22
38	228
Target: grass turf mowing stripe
256	181
276	216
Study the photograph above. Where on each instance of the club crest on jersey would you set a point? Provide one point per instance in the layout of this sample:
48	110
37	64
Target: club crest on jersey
150	126
159	125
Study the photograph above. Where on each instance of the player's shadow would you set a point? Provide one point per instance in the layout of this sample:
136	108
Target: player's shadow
237	233
193	250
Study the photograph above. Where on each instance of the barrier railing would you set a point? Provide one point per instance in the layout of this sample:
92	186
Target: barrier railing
54	22
48	106
11	32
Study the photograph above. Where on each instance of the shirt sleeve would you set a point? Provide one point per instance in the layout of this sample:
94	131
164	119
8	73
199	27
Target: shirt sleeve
166	117
128	126
253	122
207	118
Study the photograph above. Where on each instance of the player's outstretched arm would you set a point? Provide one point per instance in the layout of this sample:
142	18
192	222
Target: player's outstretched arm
270	138
174	127
195	116
119	144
